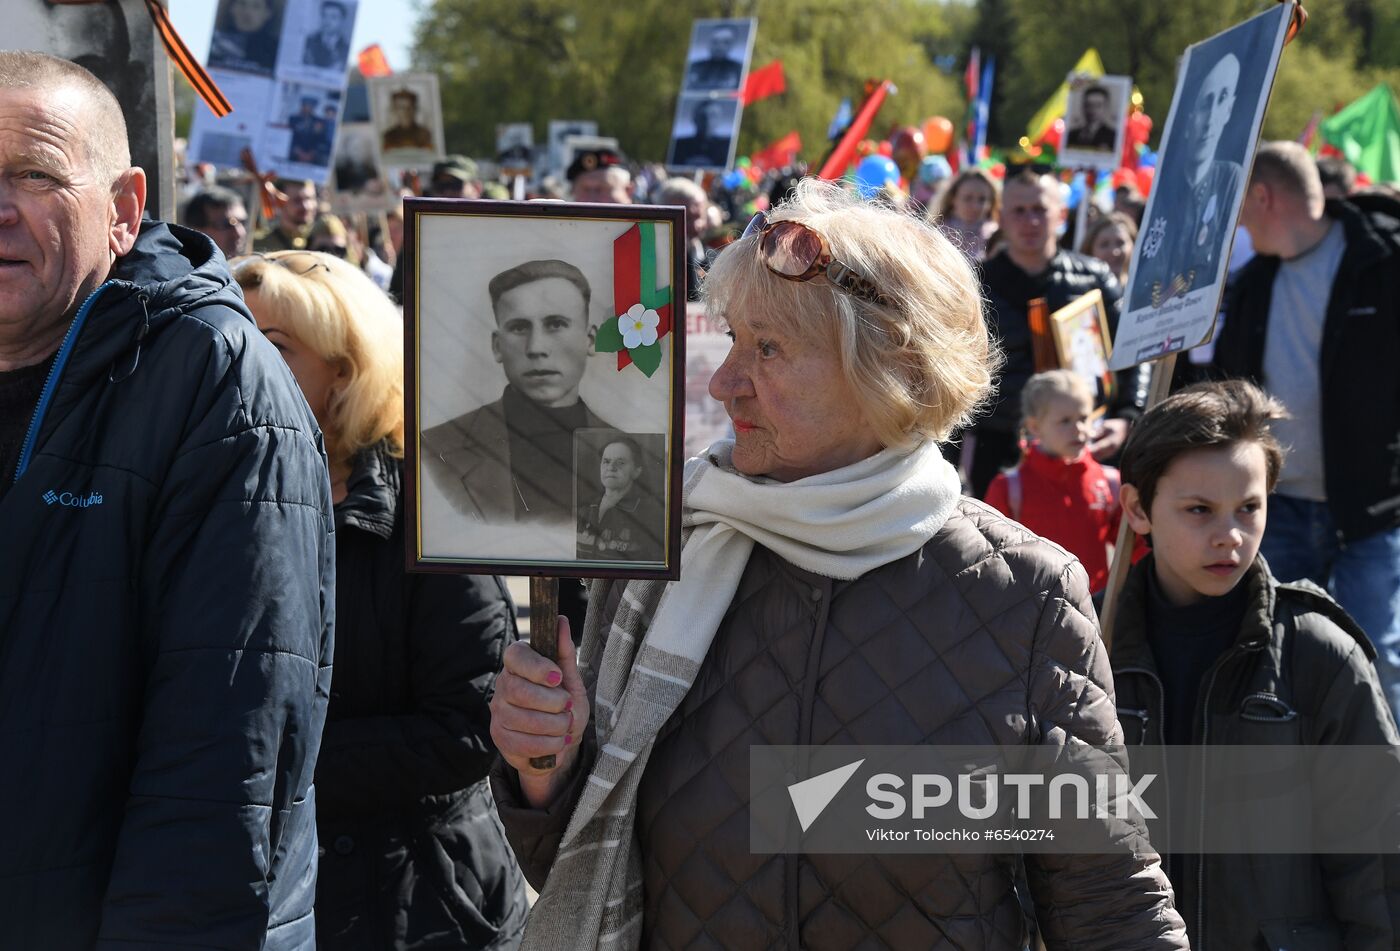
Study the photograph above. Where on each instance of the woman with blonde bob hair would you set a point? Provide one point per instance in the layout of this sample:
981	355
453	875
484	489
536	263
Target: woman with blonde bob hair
413	855
836	589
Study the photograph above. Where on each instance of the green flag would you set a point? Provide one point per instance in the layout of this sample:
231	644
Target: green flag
1368	133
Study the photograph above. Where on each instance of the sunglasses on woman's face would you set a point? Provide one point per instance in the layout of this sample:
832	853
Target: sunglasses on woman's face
338	250
796	252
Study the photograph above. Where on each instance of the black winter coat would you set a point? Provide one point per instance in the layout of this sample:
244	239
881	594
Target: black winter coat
1358	363
1067	278
166	572
1300	672
413	855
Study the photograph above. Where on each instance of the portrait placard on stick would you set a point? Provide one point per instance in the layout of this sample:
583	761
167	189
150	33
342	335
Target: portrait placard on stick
281	64
1080	330
545	388
1096	117
1183	248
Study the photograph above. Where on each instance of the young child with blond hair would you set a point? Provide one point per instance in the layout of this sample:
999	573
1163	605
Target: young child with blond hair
1058	490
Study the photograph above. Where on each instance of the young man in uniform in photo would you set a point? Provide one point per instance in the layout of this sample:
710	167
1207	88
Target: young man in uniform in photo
406	132
512	460
1034	266
1183	242
1314	318
719	71
329	47
1093	132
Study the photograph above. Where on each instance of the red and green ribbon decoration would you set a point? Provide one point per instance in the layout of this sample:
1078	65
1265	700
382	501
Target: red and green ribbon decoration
634	282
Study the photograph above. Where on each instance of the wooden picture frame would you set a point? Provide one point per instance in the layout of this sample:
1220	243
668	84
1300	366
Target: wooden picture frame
543	339
1083	343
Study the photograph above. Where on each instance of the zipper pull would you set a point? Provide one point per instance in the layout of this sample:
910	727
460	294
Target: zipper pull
115	375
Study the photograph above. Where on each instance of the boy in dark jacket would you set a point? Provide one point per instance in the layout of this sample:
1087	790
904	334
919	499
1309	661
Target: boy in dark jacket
1210	649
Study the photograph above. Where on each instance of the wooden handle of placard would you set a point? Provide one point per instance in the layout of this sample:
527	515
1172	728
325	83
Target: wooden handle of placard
544	634
1162	371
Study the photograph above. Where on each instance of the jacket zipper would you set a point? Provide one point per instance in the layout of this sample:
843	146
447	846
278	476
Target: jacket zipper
46	394
1162	720
1201	800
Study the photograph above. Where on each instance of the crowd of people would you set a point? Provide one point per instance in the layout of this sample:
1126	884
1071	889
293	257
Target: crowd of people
242	723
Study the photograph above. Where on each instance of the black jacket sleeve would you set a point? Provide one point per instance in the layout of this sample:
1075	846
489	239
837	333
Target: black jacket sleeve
457	627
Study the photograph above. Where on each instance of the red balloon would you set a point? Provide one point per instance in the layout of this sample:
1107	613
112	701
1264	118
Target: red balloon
998	170
886	149
1144	180
938	134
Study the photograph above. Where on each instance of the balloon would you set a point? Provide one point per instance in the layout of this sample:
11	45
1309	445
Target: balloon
938	134
908	150
934	169
1144	180
873	173
865	147
885	149
997	170
1147	158
1077	186
732	180
1124	176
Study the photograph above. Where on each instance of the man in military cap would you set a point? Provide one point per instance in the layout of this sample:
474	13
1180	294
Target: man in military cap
719	72
406	132
600	176
454	177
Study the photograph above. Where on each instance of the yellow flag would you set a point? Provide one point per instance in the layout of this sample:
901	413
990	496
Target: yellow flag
1090	65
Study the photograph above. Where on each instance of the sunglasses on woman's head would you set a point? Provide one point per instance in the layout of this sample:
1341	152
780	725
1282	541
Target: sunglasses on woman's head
797	252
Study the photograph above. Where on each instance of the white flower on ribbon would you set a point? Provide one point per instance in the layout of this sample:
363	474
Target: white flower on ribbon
638	326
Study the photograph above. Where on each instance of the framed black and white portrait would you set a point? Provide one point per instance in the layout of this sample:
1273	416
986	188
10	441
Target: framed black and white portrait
718	57
407	112
1096	119
705	134
545	387
1183	247
315	44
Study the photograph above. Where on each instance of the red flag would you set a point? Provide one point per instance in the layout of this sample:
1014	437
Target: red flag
765	82
845	150
373	62
780	153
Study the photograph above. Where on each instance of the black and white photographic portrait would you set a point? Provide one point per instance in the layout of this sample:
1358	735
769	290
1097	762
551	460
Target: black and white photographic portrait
562	321
1208	144
718	58
705	134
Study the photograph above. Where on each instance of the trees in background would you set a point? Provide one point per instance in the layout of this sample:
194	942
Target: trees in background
621	62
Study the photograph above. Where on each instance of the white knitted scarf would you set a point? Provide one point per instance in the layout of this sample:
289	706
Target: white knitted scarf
839	524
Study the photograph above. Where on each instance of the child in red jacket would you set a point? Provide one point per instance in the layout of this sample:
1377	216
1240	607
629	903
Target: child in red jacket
1058	490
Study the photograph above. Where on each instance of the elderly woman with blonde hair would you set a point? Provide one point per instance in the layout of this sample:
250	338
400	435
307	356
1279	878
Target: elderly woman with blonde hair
412	851
835	589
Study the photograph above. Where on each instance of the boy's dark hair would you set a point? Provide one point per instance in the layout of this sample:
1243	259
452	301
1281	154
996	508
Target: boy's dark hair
1204	416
